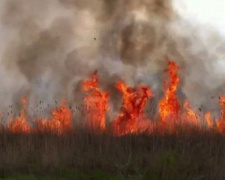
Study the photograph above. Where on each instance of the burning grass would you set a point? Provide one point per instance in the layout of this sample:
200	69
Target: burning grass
132	117
176	144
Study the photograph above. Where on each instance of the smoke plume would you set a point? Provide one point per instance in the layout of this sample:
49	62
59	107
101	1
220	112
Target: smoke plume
49	46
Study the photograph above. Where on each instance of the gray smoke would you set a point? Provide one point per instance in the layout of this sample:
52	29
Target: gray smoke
49	46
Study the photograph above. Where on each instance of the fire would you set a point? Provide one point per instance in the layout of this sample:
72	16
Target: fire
209	121
59	123
132	117
169	106
221	122
20	124
96	103
190	116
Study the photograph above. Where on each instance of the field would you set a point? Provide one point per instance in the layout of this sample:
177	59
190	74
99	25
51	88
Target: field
82	155
179	144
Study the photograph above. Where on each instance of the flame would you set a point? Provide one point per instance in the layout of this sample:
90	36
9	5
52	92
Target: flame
20	124
169	106
132	118
96	103
59	123
221	122
209	121
190	116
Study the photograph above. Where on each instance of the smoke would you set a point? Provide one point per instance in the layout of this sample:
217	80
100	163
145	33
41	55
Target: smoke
49	46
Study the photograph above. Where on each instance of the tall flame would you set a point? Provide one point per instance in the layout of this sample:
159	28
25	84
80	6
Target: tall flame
169	106
132	118
221	122
96	103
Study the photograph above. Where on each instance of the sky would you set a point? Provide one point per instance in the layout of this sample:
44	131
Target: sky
210	12
206	12
200	11
196	11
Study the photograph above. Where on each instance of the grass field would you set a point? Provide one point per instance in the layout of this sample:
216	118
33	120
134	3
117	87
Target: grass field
82	155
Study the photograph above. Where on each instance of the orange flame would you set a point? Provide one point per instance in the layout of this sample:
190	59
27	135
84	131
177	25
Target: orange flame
221	122
132	118
59	123
190	116
169	106
20	124
96	103
209	121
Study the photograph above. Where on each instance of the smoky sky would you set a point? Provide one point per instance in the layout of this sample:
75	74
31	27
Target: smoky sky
49	46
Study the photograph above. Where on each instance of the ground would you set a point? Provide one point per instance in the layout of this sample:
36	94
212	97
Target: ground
83	155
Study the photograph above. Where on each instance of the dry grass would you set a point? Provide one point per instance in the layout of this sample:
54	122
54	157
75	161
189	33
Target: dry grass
187	156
